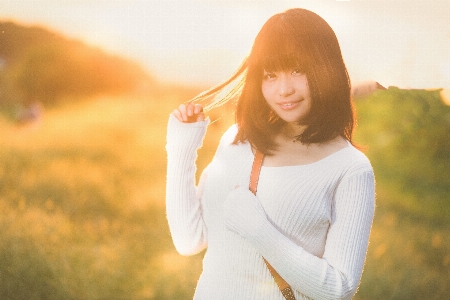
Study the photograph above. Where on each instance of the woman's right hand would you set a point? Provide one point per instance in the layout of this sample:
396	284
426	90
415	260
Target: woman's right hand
189	113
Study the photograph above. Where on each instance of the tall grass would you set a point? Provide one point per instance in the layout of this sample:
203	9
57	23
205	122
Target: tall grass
82	211
82	206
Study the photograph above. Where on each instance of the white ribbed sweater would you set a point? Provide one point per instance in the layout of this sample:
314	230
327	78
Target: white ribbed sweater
311	222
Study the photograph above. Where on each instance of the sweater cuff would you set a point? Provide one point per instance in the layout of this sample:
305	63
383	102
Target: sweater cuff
183	134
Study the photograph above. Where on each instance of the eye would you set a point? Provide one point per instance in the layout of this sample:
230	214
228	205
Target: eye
268	75
297	72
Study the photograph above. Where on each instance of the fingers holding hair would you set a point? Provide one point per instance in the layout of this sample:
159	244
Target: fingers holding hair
189	113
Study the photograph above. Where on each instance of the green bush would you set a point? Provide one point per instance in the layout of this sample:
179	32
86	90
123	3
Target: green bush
407	138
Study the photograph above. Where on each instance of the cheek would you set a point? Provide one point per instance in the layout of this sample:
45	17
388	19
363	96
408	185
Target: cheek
266	92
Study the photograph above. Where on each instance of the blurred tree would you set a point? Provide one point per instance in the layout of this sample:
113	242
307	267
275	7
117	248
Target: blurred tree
408	135
40	65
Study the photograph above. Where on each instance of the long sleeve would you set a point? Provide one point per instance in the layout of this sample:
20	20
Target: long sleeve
311	222
337	273
183	203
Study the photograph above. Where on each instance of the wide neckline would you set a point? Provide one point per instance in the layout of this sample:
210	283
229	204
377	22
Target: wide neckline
349	145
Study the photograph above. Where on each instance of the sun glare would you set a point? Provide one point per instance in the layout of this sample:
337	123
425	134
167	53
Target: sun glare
445	96
204	41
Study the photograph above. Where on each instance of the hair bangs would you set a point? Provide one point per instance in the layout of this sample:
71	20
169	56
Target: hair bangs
279	61
280	47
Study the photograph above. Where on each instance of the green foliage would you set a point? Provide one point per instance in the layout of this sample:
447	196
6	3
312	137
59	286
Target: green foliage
407	138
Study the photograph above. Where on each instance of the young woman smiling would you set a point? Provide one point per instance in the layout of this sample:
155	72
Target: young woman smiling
311	216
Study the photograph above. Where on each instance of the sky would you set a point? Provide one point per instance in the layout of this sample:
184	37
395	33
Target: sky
404	43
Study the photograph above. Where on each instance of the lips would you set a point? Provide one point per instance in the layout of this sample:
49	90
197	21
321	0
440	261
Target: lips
288	105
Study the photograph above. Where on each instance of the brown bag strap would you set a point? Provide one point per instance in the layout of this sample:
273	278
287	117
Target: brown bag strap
256	169
254	178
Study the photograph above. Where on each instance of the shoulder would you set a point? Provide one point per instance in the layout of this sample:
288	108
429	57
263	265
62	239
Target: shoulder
228	137
357	162
356	174
227	148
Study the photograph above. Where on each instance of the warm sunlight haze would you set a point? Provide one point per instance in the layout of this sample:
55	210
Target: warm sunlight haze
86	89
398	43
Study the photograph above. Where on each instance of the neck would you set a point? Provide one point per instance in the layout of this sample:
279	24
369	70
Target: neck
292	130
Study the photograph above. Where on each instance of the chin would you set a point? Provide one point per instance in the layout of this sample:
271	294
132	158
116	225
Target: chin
294	120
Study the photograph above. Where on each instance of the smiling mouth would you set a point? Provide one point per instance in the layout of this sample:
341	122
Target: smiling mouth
289	105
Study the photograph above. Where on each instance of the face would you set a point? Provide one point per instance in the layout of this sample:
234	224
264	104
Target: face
287	93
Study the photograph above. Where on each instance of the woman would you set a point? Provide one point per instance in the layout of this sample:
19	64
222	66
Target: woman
313	211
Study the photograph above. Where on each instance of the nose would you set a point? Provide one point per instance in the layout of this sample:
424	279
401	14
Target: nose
286	87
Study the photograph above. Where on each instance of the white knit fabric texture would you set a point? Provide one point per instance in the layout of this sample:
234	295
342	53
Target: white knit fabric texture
311	222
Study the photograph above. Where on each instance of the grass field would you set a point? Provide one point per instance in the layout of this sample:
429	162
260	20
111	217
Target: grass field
83	217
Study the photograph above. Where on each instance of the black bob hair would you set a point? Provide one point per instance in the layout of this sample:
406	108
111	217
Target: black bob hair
300	39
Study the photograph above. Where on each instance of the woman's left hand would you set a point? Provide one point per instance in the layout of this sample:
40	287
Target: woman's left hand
243	213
